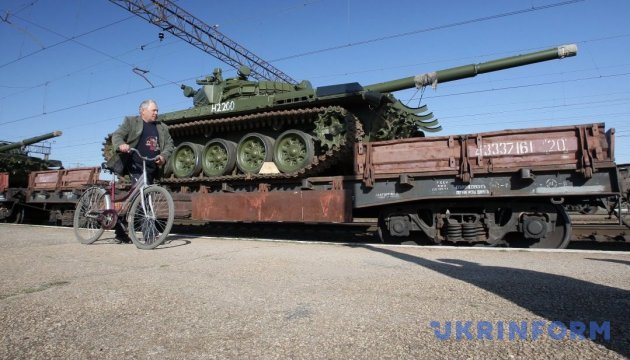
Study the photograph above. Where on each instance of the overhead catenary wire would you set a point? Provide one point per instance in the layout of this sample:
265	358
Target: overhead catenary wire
432	28
465	22
66	38
52	109
188	79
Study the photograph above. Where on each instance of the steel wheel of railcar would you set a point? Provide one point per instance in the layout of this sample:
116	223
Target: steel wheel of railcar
625	213
149	229
293	150
219	157
19	215
87	226
187	160
557	239
252	151
383	232
13	215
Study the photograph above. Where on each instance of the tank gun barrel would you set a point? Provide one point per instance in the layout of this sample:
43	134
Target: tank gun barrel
466	71
29	141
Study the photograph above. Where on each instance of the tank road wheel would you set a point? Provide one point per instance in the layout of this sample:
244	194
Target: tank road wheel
219	157
90	206
293	150
187	160
252	151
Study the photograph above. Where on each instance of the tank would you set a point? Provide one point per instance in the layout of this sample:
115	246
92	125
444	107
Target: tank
240	129
15	160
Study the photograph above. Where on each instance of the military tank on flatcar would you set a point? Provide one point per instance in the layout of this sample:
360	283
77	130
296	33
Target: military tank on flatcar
15	160
15	167
236	125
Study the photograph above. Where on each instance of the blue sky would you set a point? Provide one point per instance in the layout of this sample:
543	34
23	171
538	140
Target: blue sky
67	65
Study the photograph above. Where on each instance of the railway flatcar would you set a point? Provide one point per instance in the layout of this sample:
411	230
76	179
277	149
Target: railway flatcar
504	188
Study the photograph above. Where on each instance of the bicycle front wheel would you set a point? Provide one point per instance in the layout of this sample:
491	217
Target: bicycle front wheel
149	224
87	227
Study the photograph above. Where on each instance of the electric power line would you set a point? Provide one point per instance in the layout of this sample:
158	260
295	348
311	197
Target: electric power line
433	28
66	39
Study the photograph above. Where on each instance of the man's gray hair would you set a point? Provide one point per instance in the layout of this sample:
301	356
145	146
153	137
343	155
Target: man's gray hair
145	104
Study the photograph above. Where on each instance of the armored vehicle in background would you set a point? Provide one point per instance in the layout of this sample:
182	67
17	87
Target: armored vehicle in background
236	125
15	159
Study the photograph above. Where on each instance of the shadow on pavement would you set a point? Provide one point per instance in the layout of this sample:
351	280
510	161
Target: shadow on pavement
617	261
552	297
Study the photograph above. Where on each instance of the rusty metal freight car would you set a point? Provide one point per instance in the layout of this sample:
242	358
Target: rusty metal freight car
507	187
50	195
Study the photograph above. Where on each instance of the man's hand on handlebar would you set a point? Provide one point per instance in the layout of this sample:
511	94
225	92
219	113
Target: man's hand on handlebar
124	148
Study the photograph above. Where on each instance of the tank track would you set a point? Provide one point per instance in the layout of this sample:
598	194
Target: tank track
275	119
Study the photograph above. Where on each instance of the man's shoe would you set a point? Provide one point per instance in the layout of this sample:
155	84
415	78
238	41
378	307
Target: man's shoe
122	239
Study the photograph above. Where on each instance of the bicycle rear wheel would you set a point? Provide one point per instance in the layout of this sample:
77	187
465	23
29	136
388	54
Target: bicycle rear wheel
149	227
87	227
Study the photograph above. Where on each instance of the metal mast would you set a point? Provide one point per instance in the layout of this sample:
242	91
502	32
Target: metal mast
170	17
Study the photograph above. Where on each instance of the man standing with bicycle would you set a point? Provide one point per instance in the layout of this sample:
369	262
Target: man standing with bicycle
150	137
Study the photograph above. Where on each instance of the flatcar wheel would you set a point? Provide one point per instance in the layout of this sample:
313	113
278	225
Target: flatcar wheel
253	151
219	157
18	215
383	232
187	160
561	235
293	150
625	213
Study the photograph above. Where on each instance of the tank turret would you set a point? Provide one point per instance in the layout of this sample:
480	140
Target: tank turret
236	125
16	161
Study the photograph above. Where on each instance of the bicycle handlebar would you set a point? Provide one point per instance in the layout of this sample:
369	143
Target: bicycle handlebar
142	157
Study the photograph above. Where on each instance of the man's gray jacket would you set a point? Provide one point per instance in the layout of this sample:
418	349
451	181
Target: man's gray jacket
129	133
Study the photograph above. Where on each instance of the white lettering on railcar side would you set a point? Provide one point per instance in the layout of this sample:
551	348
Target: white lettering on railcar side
460	189
471	189
556	145
440	186
507	148
222	107
387	195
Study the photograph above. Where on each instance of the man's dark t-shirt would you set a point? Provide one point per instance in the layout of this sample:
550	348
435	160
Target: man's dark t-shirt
148	146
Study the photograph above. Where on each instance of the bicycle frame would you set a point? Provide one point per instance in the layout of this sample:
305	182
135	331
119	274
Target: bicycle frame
127	199
150	215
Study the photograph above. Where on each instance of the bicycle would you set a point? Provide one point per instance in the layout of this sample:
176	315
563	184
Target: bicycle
149	209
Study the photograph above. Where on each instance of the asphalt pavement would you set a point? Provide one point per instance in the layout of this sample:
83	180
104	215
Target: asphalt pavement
203	298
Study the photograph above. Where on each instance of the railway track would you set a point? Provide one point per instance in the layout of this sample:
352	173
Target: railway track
599	234
592	231
584	235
